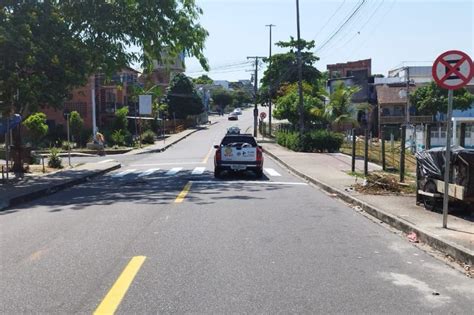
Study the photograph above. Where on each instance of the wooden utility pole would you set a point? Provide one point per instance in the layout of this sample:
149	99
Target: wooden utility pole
300	69
255	110
269	82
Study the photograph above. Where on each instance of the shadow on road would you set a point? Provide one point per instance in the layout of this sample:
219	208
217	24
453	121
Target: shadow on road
156	189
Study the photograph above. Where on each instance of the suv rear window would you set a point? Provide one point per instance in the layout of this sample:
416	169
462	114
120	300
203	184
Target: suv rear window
239	139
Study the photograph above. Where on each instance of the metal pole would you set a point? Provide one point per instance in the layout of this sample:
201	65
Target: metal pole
407	69
7	145
353	151
402	154
384	164
366	152
94	120
447	161
68	140
270	84
300	69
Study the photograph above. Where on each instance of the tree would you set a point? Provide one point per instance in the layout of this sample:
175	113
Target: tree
222	97
287	104
49	47
340	109
431	99
75	124
182	98
241	97
284	66
37	127
203	79
121	120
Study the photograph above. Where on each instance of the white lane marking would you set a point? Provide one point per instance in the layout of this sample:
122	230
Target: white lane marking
198	170
105	161
250	182
271	172
163	164
174	170
121	174
149	172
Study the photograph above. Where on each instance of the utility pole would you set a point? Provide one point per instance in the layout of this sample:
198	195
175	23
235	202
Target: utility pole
255	109
300	69
269	82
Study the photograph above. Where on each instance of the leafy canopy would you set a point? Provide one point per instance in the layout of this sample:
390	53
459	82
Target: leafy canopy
340	109
222	97
431	99
49	47
203	79
284	66
182	97
286	106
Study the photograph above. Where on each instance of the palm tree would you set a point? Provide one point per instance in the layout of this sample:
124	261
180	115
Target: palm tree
340	110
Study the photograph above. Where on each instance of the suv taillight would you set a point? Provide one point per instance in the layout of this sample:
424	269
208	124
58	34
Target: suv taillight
218	155
259	155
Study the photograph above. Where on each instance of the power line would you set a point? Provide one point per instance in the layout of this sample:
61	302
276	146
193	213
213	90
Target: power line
342	26
328	20
360	29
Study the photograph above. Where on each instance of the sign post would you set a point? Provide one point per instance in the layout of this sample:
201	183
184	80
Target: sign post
452	70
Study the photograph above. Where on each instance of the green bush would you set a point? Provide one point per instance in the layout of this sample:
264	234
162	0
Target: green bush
66	145
54	159
121	137
312	141
148	137
37	127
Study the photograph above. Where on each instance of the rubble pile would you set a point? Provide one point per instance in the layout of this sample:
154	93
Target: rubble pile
379	183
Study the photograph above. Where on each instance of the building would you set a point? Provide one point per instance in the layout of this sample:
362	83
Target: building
359	74
163	71
110	95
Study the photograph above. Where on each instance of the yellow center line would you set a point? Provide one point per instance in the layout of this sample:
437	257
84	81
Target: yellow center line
184	192
207	156
112	300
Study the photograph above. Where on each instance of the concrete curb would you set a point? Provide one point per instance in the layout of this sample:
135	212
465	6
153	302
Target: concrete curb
175	141
54	188
458	252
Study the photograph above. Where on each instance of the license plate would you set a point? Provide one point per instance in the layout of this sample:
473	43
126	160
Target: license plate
237	167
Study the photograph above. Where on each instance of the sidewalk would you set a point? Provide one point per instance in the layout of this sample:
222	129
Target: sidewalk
330	172
32	187
162	145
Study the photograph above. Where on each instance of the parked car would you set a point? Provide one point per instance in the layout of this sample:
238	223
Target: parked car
233	116
238	111
238	153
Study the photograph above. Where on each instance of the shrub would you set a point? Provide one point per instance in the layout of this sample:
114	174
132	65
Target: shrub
75	125
313	141
37	127
148	137
121	137
54	159
66	145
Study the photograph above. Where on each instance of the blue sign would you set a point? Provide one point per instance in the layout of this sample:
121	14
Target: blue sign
15	120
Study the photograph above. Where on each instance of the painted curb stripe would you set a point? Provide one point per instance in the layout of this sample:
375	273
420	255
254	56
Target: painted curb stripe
174	170
271	172
113	298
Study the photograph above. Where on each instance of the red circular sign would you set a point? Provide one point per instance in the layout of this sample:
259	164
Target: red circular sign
453	69
263	115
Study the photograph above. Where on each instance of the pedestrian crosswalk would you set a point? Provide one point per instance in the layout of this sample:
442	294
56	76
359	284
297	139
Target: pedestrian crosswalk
174	171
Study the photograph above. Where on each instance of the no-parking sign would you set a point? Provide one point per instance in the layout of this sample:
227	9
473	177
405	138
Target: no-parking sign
453	69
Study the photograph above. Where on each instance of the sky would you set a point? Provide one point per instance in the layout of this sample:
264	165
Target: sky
392	33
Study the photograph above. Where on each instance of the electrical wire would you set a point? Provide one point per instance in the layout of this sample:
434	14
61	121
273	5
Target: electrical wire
356	10
328	20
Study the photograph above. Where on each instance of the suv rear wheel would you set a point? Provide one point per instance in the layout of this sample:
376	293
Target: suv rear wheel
259	173
217	172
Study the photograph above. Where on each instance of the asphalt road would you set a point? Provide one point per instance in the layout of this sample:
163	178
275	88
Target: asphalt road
161	235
